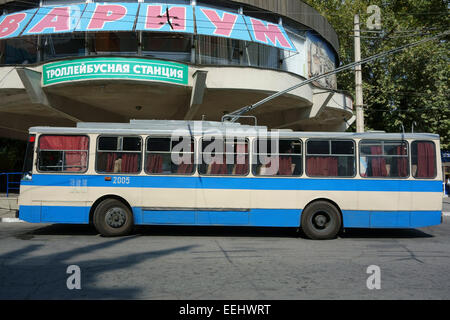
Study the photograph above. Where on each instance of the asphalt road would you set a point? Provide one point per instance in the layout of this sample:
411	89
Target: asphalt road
222	263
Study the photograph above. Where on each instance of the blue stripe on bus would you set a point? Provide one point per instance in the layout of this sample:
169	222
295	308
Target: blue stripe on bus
254	217
236	183
390	219
54	214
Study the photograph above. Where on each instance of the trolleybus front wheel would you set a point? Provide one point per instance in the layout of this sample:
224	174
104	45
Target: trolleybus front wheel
321	220
113	218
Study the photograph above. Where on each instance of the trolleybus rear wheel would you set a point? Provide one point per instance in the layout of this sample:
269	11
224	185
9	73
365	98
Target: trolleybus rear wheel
321	220
113	218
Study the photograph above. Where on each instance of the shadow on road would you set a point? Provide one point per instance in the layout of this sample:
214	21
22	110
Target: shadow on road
384	233
222	231
33	273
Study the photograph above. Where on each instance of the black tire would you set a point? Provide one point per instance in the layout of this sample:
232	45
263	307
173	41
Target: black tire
113	218
321	220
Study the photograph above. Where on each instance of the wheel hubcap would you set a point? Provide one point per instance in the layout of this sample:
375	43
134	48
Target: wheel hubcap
320	220
116	217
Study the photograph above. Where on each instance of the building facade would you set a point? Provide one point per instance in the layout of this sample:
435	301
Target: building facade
62	62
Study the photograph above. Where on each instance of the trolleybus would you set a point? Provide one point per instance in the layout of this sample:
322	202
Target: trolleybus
150	172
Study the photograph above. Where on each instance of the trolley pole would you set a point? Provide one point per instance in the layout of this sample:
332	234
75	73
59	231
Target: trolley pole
358	80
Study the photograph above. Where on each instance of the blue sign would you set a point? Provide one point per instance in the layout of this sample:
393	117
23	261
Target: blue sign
153	17
213	22
165	18
109	17
268	33
11	25
61	19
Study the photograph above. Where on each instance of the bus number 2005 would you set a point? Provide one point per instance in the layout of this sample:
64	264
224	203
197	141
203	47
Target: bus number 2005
121	180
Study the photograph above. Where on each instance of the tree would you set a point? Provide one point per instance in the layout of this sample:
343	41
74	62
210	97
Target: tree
409	88
12	153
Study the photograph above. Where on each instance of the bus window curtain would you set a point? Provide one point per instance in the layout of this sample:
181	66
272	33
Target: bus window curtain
110	160
184	168
154	163
425	160
130	163
241	168
378	164
74	160
322	166
285	166
219	168
402	162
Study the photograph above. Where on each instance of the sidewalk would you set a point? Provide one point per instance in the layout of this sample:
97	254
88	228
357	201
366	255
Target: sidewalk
8	208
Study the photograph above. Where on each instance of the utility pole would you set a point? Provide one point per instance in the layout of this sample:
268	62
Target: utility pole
358	79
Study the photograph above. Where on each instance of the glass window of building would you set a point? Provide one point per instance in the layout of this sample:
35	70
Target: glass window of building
277	157
330	158
218	51
258	55
122	43
167	46
18	51
63	45
383	158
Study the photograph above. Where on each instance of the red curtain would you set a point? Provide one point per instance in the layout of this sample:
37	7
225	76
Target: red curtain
130	163
425	160
402	163
110	160
154	163
78	159
285	166
322	166
184	168
219	168
241	168
378	164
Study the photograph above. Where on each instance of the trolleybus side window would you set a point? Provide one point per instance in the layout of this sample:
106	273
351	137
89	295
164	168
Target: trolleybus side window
224	157
118	154
63	153
169	156
383	158
330	158
423	159
286	161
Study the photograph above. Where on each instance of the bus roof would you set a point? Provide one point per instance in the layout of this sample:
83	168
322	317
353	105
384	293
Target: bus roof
167	127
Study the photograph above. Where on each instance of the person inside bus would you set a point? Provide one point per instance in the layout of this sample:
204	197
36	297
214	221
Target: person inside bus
118	165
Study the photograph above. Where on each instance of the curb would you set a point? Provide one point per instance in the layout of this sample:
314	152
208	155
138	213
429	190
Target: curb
2	220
